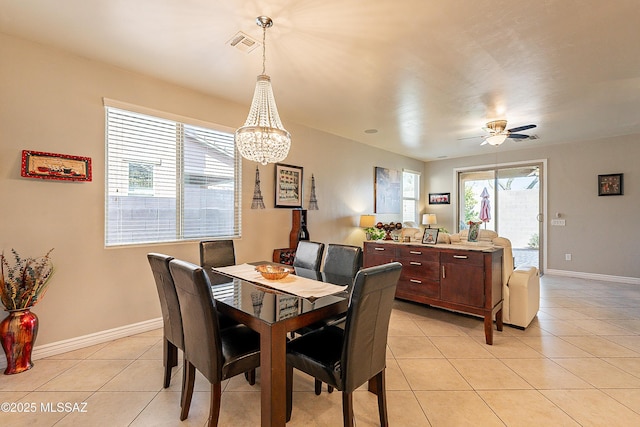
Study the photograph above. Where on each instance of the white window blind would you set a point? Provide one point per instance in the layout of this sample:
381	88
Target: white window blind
168	180
410	196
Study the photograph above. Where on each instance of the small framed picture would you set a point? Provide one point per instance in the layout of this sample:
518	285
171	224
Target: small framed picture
474	231
62	167
610	185
430	236
439	198
288	186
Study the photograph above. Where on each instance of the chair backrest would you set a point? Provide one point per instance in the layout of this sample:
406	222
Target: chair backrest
507	257
367	326
342	260
308	255
202	344
216	253
171	316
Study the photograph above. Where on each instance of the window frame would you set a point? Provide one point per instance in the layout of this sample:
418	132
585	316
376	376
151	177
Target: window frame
415	198
181	171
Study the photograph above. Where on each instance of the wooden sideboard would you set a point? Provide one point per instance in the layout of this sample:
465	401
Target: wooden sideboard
464	279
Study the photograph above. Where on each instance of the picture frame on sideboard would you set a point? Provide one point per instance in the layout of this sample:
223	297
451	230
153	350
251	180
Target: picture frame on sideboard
430	236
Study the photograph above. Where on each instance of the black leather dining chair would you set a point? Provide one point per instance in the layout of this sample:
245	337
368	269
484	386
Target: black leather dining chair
342	260
347	358
217	353
216	253
171	317
219	253
309	255
341	264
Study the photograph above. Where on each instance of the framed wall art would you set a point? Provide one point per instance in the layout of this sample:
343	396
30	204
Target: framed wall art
439	198
610	185
63	167
388	189
288	186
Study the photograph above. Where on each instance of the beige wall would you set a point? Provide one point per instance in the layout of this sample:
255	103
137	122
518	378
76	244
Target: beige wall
601	233
52	101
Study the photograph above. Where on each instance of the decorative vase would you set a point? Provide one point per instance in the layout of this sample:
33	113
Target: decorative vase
18	332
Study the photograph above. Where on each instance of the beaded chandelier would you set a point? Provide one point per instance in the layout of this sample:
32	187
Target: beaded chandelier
263	139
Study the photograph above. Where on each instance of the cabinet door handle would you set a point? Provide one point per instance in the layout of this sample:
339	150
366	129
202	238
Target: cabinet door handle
444	276
415	253
415	281
379	249
461	256
415	263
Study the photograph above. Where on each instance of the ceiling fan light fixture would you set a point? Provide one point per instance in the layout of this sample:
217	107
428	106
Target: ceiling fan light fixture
263	138
496	139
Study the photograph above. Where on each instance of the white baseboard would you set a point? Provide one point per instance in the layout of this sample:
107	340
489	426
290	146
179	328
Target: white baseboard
46	350
594	276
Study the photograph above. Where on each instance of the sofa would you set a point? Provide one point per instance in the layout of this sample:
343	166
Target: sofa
520	286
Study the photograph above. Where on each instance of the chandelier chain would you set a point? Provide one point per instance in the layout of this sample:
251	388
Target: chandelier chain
264	48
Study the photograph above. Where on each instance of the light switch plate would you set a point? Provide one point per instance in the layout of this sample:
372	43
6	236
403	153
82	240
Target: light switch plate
559	222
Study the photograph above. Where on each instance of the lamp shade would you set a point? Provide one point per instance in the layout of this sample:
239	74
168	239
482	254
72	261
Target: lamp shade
367	221
429	219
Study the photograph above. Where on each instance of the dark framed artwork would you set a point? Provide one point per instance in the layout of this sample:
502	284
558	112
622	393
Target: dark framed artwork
62	167
430	236
388	189
439	198
288	186
610	185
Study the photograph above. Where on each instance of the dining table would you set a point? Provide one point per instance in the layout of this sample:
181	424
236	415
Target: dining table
274	313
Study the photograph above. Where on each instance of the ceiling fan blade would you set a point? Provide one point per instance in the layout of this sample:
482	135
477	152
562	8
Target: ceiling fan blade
471	137
517	136
520	128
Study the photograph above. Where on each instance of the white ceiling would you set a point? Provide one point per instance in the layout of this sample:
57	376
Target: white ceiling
427	74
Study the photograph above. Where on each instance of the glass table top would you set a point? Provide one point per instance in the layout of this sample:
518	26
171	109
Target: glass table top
272	305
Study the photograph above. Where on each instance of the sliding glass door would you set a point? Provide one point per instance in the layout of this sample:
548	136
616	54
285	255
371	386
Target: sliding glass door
508	200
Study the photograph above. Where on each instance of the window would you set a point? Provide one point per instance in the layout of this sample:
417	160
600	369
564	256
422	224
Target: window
140	178
410	195
168	180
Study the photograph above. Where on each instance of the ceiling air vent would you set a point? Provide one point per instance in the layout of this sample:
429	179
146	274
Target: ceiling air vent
243	42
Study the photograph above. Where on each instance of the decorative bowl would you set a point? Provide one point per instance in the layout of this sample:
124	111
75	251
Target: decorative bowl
272	272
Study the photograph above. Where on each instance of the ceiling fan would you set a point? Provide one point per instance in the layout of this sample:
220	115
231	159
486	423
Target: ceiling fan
498	132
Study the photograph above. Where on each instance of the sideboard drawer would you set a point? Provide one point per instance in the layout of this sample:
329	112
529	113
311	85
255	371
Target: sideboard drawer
418	288
420	270
418	253
377	249
466	257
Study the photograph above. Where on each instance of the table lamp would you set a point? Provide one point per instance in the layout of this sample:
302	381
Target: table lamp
367	221
429	220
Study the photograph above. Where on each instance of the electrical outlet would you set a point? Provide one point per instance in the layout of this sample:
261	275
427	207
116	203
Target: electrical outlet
560	222
567	257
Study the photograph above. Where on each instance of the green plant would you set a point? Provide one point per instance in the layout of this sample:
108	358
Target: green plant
534	241
375	233
470	202
23	281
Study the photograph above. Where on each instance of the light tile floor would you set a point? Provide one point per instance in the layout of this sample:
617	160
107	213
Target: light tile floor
578	364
